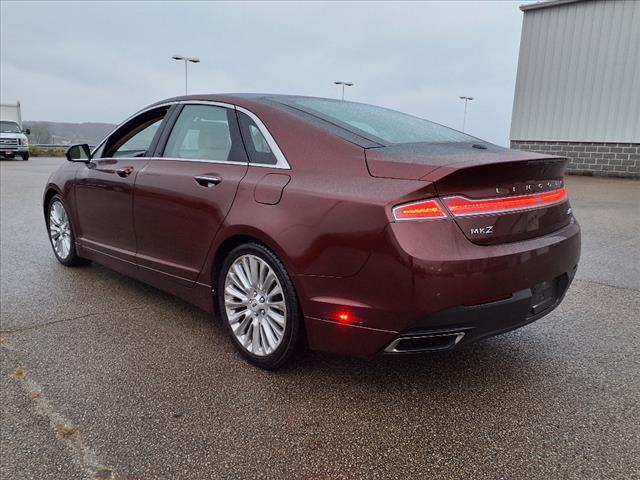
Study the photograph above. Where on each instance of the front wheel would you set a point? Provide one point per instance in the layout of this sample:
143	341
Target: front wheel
61	233
25	156
259	306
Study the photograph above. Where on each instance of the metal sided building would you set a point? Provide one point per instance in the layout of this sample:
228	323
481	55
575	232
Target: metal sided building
578	84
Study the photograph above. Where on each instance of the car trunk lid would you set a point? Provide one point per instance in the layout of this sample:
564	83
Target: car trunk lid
495	195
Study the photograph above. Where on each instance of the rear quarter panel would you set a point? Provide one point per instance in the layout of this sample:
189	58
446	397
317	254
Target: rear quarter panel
330	212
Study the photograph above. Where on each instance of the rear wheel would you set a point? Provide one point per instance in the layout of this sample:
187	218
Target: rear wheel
61	233
259	306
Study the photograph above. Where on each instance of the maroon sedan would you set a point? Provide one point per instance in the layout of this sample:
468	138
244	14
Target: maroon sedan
303	221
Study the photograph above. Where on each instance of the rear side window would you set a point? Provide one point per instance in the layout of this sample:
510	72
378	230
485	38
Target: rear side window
257	146
379	123
202	132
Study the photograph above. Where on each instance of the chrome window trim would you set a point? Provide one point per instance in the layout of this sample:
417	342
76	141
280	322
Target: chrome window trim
281	160
198	160
206	102
120	158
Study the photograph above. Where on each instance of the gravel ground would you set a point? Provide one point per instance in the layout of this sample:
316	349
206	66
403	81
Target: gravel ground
104	377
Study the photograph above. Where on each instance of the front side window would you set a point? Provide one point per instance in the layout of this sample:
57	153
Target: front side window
390	126
202	132
139	143
135	138
97	153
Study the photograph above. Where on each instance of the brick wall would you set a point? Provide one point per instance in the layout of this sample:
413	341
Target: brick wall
591	158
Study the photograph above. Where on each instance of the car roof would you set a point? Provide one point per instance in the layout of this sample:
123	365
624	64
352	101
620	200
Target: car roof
288	103
285	103
240	98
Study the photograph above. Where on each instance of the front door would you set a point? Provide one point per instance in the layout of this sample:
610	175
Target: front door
104	188
184	193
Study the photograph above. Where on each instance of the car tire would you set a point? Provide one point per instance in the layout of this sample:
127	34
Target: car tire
61	233
25	156
264	301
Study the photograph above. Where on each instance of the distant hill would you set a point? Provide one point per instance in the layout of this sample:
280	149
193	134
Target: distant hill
67	133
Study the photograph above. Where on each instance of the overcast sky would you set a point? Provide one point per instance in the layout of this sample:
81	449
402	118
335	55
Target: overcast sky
101	61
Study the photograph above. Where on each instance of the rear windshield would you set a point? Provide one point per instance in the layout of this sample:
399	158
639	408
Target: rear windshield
379	123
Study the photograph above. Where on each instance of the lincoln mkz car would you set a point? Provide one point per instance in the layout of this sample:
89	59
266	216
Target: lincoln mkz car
309	222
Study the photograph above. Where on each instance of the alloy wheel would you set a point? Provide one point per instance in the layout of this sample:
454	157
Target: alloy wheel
60	230
255	305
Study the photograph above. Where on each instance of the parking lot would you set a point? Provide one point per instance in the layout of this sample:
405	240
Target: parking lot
104	377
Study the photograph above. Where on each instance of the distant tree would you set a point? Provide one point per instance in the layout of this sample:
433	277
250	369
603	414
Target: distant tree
39	134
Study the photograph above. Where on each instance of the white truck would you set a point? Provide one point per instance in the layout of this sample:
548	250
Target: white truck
13	140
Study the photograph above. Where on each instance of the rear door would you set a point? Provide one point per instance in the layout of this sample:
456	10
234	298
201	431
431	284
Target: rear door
186	190
104	186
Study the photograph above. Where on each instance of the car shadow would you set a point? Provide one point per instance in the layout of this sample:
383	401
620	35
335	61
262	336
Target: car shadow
514	358
492	360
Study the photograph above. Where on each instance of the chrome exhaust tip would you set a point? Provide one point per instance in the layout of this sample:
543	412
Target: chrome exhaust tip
425	342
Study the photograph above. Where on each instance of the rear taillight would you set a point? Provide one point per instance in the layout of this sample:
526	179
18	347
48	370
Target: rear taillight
422	210
463	207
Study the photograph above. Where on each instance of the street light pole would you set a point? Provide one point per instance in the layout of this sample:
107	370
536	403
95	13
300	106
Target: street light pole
186	61
464	118
344	84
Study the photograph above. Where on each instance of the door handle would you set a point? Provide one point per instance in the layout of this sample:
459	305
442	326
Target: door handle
124	171
208	181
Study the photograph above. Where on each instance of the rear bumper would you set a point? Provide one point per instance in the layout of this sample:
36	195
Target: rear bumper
465	324
436	281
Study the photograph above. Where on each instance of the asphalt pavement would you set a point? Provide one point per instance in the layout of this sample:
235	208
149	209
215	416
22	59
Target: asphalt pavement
104	377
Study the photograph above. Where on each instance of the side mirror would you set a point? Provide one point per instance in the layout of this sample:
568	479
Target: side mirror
79	152
27	131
